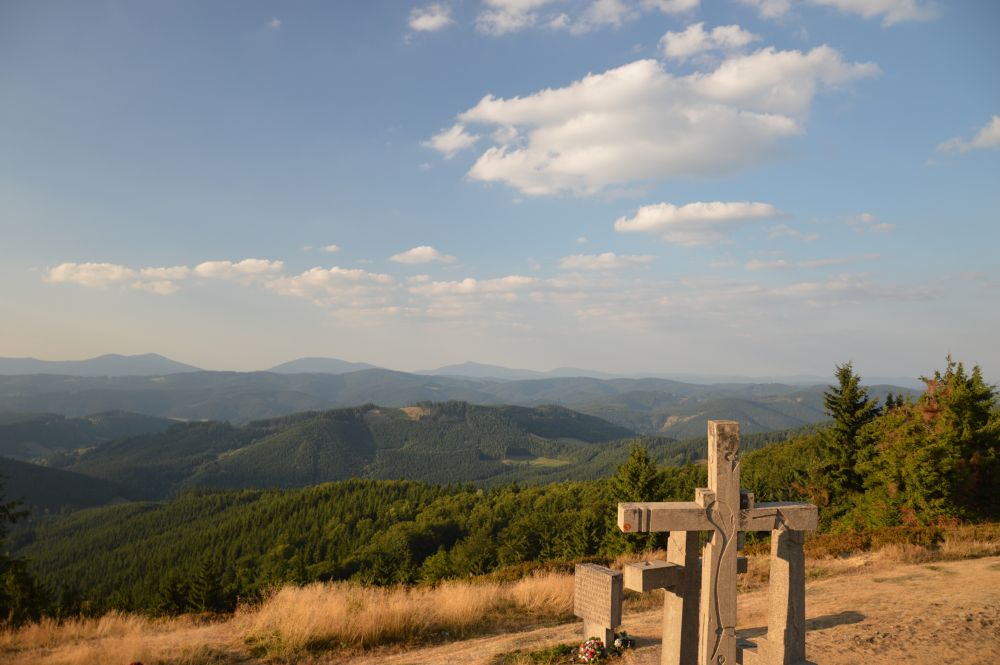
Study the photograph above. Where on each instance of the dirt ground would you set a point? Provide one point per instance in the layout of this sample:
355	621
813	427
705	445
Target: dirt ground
913	614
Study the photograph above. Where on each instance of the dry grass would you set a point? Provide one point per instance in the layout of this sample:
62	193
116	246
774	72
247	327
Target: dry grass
297	620
113	638
344	615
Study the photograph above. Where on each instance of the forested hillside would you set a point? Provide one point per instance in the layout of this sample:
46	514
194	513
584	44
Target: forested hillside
28	436
432	442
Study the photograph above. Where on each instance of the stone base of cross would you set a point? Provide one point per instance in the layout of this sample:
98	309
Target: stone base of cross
699	612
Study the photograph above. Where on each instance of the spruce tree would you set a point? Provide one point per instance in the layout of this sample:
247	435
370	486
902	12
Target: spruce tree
638	479
851	408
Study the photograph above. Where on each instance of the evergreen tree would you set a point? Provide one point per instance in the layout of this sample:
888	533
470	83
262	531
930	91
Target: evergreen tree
22	597
851	408
638	479
206	587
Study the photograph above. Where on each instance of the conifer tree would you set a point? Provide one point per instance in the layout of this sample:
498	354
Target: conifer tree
206	587
851	408
638	479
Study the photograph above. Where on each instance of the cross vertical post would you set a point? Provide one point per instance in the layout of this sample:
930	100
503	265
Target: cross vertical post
717	631
786	617
680	604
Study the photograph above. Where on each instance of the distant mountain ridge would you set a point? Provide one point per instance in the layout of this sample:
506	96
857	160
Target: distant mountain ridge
314	365
112	364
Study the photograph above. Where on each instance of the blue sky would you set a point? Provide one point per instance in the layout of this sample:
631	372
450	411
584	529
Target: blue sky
723	186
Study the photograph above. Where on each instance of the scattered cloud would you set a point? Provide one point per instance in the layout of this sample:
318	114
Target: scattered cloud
103	275
605	261
582	240
672	6
98	275
783	231
471	286
694	40
986	138
639	122
337	287
421	254
451	141
430	18
332	249
890	11
865	221
698	223
766	264
504	16
769	9
274	24
837	261
247	268
602	13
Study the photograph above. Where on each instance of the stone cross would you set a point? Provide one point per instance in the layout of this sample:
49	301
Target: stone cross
597	599
699	623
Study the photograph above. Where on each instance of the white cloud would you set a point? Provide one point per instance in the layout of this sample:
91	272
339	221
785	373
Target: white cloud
247	268
451	141
985	139
783	231
696	223
769	9
639	122
582	240
782	82
102	275
890	11
430	18
332	249
97	275
865	221
473	286
172	273
337	287
671	6
837	261
274	24
504	16
766	264
421	254
605	261
601	13
694	40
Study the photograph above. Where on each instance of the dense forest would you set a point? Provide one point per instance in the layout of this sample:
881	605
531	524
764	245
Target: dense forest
925	460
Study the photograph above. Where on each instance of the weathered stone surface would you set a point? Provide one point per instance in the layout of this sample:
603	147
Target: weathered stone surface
700	606
648	575
769	516
680	604
598	595
717	626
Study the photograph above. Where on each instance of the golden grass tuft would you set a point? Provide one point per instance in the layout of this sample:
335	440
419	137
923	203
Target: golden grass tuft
322	616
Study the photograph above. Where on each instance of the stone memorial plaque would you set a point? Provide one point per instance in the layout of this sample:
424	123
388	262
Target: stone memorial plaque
598	596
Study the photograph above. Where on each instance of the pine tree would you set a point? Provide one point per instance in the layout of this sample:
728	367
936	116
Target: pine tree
206	587
638	479
851	408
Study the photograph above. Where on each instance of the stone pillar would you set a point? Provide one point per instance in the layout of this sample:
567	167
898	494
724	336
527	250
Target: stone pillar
680	604
717	631
786	617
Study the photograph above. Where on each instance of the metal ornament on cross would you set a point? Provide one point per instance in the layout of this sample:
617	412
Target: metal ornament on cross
699	611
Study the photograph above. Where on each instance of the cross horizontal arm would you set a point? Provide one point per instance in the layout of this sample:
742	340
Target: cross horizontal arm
768	516
663	516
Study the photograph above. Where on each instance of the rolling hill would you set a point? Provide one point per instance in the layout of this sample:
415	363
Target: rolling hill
434	442
112	364
27	436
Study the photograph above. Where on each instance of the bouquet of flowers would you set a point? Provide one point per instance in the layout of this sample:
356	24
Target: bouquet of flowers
591	651
623	641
